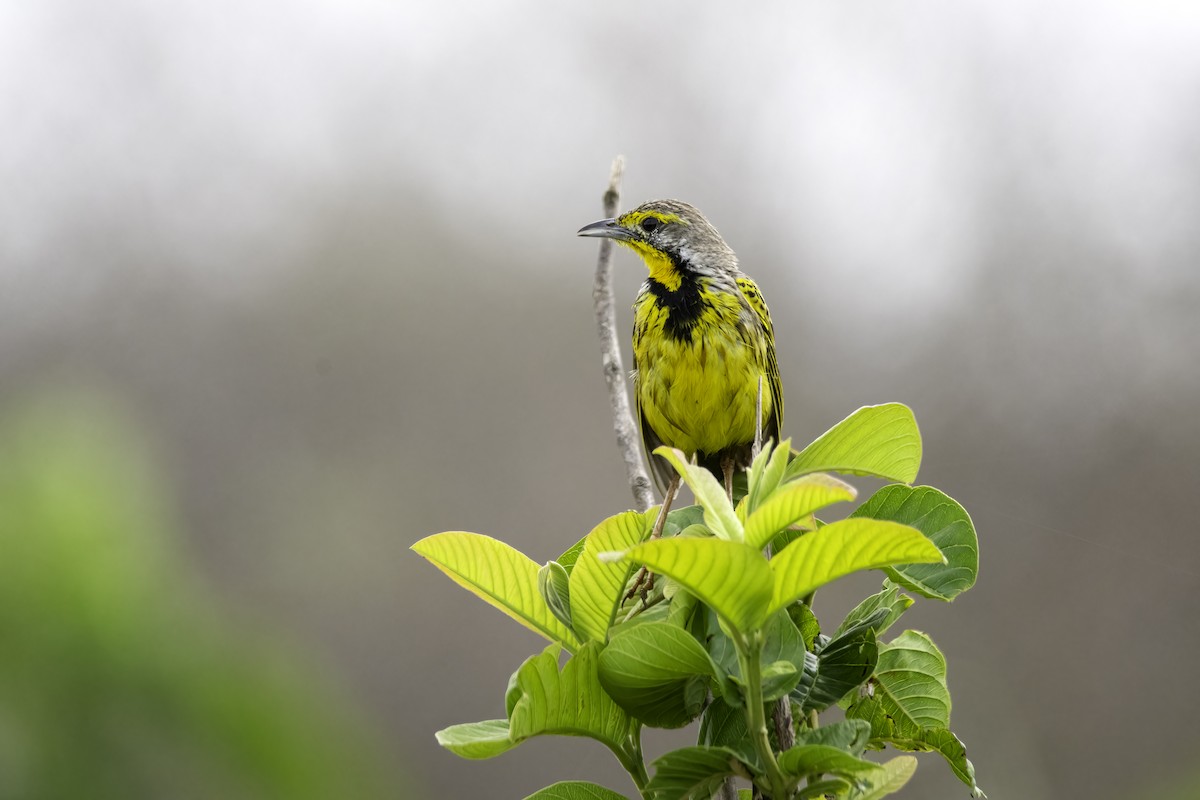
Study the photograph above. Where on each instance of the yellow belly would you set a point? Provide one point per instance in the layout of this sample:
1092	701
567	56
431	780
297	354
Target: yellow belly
701	395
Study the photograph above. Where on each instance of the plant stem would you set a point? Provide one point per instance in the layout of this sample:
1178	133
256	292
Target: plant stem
750	661
631	759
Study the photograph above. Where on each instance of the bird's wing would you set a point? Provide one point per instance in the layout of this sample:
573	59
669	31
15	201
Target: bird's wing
660	468
773	424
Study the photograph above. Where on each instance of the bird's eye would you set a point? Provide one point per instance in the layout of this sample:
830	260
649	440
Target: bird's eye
650	224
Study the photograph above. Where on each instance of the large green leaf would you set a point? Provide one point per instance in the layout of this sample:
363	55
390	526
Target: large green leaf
575	790
692	772
909	688
500	575
719	515
791	503
945	522
881	441
477	740
657	672
731	578
597	586
570	702
843	547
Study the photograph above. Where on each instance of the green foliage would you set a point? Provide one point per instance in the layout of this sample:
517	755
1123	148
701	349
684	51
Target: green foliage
599	585
692	772
792	503
657	672
728	635
879	441
947	525
575	790
122	674
907	703
500	575
843	547
719	514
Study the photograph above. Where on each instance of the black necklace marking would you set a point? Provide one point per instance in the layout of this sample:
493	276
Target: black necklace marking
684	305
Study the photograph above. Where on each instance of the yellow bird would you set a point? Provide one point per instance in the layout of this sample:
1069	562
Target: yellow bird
703	342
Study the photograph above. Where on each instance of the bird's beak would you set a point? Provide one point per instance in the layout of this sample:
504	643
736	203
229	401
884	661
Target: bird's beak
605	229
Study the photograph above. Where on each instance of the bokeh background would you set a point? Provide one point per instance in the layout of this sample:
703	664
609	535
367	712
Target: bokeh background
285	287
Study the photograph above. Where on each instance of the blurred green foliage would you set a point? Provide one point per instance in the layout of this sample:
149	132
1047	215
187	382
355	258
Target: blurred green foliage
121	676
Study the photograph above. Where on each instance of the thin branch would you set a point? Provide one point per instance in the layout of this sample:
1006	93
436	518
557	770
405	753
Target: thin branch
610	350
781	715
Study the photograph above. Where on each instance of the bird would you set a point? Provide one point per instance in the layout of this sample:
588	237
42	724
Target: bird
703	344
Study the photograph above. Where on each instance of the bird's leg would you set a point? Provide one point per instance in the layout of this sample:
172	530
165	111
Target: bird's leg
668	499
727	468
644	575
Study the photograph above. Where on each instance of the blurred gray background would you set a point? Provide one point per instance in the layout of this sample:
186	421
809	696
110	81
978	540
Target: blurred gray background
324	255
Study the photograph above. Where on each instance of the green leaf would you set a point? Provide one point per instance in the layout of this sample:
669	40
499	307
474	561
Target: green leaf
500	575
575	790
909	689
682	518
597	586
719	515
806	622
724	725
791	503
682	608
820	759
658	673
889	600
850	735
941	740
754	475
843	547
477	740
945	522
732	578
570	702
692	772
778	678
881	441
910	704
782	641
766	473
568	558
896	773
843	664
819	790
555	588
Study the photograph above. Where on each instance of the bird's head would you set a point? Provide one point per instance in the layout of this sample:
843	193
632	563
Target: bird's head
672	237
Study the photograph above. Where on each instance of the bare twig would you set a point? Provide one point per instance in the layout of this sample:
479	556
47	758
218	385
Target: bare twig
610	350
781	715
